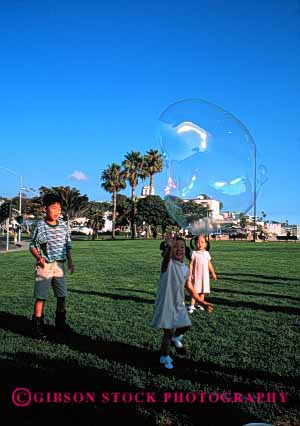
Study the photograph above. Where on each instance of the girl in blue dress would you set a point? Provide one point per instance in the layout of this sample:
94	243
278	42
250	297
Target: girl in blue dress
170	313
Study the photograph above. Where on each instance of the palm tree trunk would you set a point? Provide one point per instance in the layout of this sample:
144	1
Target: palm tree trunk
68	223
148	232
113	235
151	184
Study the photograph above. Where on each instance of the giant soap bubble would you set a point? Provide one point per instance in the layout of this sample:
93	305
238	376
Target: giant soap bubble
210	159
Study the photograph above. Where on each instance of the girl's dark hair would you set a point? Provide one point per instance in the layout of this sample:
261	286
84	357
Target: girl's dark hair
177	238
188	253
49	199
193	242
162	247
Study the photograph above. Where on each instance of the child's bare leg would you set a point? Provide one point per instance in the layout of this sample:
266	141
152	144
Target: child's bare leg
166	342
201	296
39	308
193	301
205	305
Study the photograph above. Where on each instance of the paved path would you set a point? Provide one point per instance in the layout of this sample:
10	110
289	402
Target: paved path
12	247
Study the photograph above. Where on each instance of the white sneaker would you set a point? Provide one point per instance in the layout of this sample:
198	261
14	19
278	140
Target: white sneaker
177	341
191	309
200	307
167	361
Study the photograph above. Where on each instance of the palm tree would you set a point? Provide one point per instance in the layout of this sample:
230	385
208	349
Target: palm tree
153	165
263	215
113	181
134	169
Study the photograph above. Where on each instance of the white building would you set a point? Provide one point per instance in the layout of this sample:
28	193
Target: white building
212	205
146	190
108	222
80	222
274	228
293	229
233	216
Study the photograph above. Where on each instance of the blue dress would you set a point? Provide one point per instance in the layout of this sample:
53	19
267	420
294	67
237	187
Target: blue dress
170	310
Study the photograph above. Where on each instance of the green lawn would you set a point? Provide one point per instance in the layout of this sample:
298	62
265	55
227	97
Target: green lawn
249	344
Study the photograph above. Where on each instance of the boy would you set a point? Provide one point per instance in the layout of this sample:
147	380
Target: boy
51	246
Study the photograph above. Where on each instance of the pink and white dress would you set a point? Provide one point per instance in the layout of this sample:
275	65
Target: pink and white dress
200	272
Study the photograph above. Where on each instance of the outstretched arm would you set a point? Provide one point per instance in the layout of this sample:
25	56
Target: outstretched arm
208	306
167	254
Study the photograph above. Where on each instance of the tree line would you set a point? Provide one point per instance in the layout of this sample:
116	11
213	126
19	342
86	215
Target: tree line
133	212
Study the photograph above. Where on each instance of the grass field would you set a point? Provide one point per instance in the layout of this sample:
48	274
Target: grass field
249	344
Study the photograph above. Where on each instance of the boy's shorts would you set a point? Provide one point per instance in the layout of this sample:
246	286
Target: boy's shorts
50	274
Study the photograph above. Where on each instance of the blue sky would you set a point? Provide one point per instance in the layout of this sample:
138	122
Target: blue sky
84	82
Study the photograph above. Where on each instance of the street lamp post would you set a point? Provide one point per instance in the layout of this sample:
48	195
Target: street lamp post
254	196
25	189
7	233
20	207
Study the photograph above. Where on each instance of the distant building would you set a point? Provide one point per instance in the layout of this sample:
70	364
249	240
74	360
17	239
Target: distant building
213	206
146	190
79	221
274	228
231	215
293	230
108	222
82	221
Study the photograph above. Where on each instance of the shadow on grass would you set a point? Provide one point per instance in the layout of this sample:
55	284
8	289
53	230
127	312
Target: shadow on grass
265	277
135	290
63	375
258	294
113	296
249	281
145	359
291	310
58	376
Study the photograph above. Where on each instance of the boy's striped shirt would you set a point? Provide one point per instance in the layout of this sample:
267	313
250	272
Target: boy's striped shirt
51	241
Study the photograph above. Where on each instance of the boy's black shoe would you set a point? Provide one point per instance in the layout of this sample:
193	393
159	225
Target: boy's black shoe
38	328
60	322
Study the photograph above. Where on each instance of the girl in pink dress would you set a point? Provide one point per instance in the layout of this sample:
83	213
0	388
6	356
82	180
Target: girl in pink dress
200	268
